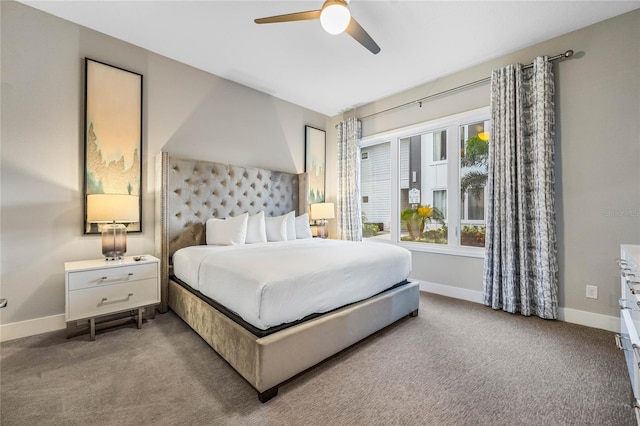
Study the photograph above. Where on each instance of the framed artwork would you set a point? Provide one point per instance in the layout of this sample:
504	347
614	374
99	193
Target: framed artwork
113	137
315	161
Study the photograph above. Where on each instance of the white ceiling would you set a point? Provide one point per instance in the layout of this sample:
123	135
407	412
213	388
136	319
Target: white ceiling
300	63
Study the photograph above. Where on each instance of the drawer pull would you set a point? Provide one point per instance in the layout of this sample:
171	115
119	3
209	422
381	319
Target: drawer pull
633	280
106	279
624	304
634	347
631	287
623	263
618	342
105	300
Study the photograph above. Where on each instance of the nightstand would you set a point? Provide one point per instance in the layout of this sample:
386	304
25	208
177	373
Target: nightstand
97	288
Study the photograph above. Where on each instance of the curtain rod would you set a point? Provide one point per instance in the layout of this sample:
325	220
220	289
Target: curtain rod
567	54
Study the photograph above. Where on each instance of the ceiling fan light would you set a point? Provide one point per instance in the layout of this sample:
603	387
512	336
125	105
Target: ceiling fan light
335	18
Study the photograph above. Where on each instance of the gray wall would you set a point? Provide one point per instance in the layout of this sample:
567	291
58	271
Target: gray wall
597	155
186	112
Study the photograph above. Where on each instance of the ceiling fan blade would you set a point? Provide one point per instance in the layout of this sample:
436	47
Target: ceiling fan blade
299	16
356	31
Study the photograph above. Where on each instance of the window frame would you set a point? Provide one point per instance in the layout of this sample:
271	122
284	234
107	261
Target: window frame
452	124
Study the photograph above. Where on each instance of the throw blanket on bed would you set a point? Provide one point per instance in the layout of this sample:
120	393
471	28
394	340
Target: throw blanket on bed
273	283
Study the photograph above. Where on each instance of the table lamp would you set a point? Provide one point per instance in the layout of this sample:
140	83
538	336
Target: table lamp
111	209
321	212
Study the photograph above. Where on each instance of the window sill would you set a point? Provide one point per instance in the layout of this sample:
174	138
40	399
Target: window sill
451	251
475	252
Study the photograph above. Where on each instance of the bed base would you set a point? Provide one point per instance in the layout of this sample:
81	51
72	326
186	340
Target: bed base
266	362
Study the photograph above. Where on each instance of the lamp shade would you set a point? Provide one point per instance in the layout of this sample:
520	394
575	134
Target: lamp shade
112	207
322	211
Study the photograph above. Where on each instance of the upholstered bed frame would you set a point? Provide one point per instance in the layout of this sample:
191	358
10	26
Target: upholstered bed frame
188	192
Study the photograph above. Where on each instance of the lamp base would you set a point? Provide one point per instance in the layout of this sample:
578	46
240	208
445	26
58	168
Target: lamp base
322	229
114	241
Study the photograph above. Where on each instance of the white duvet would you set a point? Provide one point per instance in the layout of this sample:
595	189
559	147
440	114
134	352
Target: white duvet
273	283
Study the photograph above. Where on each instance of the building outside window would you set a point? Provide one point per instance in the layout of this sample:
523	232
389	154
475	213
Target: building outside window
375	189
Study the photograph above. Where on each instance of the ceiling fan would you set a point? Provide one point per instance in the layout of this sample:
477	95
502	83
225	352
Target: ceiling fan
334	17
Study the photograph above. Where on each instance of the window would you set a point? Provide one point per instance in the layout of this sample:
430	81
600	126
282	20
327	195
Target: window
474	154
375	189
425	185
440	146
440	201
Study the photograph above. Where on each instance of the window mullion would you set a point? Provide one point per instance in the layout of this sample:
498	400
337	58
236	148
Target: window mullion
453	199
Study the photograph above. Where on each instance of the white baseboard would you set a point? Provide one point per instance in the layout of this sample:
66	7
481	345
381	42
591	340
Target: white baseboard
15	330
590	319
574	316
449	291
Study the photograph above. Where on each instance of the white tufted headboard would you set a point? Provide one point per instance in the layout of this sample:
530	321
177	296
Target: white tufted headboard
188	192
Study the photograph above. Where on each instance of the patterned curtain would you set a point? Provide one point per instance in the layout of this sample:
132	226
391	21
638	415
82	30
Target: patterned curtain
349	214
520	267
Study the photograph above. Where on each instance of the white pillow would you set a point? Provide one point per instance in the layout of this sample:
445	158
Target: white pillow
291	225
303	230
230	231
256	232
276	228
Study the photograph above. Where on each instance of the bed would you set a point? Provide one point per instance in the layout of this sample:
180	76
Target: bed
266	349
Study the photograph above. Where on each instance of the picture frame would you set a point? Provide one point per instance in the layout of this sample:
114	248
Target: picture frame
112	136
315	163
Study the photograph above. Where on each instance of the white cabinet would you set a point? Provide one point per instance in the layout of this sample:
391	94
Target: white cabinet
99	287
629	338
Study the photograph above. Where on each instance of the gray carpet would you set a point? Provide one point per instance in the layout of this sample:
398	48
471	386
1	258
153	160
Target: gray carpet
457	363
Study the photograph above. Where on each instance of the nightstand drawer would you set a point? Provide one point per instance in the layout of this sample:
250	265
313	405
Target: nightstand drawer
91	302
115	275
